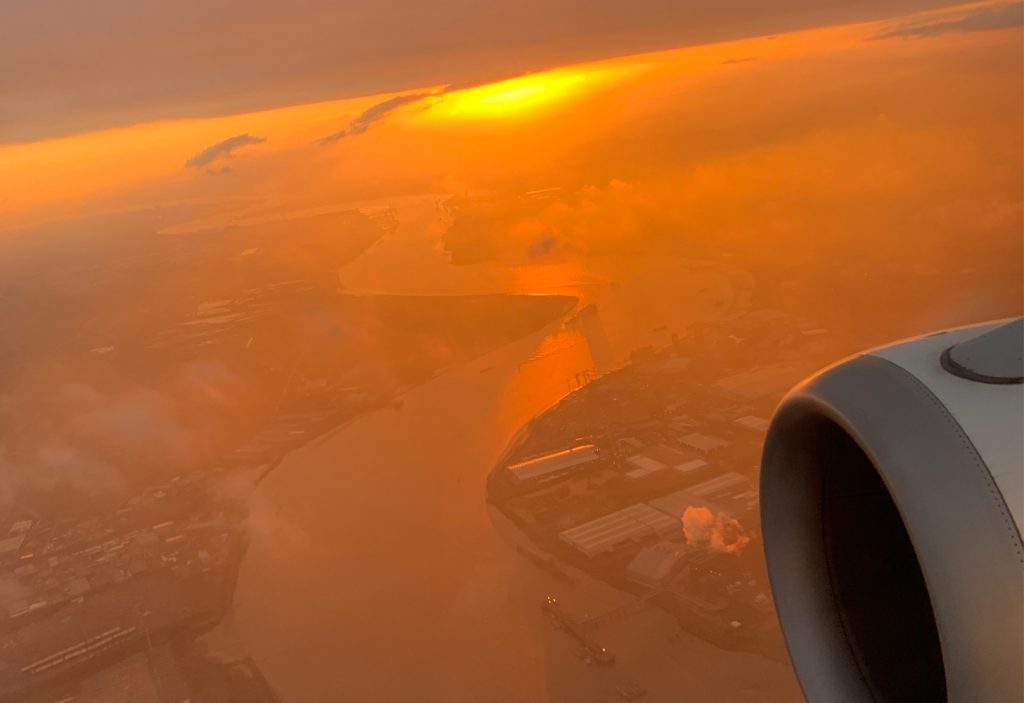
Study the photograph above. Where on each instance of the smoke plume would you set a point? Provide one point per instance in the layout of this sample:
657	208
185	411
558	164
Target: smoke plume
717	531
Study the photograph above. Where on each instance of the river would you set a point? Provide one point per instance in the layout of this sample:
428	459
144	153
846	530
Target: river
375	571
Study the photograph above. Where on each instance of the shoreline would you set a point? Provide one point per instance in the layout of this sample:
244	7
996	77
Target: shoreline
314	532
540	556
332	427
571	303
188	638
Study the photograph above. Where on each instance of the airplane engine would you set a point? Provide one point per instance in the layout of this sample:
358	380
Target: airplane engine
891	501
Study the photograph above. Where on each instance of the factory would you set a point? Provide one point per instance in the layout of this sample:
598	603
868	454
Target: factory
615	529
554	463
655	567
758	384
660	457
731	493
653	485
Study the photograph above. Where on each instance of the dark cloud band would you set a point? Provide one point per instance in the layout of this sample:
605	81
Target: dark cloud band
222	150
982	19
373	114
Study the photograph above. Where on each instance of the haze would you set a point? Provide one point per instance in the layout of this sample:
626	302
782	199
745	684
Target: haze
334	340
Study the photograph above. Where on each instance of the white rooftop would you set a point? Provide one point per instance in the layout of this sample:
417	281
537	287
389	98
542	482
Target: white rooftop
645	463
692	465
729	489
11	544
20	527
608	532
703	442
759	383
653	565
752	422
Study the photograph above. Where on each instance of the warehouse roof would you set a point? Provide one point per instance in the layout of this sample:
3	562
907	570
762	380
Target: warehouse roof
608	532
703	442
11	544
731	492
758	383
752	422
653	566
561	460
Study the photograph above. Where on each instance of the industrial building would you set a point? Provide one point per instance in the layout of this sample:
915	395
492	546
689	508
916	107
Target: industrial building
627	525
656	566
752	422
11	545
660	457
556	462
730	492
21	527
765	382
703	443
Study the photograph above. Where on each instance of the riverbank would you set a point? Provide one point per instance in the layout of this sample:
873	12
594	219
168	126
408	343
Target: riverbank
375	566
678	429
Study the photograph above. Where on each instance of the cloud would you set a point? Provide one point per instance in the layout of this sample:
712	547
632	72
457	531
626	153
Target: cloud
982	19
54	469
94	445
374	114
454	41
222	150
543	247
617	217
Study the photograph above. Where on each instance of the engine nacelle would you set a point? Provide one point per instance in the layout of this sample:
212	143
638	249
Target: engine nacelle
891	497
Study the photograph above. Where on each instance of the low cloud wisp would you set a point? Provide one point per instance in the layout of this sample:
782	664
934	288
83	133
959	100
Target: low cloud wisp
222	150
982	19
373	114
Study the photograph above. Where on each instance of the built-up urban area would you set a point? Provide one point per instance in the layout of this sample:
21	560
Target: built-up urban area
107	607
130	449
647	478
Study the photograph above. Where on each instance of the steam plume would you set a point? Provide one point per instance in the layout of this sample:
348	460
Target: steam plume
718	532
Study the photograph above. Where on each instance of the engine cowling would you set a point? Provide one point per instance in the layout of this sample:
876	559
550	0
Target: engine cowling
891	497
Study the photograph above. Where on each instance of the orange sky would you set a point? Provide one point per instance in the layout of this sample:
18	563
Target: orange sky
74	67
834	110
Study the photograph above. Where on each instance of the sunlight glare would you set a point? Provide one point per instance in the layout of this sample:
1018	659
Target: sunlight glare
519	96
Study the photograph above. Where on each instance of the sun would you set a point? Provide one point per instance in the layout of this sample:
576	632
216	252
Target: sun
515	95
519	96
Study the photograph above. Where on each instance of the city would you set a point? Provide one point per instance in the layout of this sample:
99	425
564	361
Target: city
646	478
109	591
510	352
